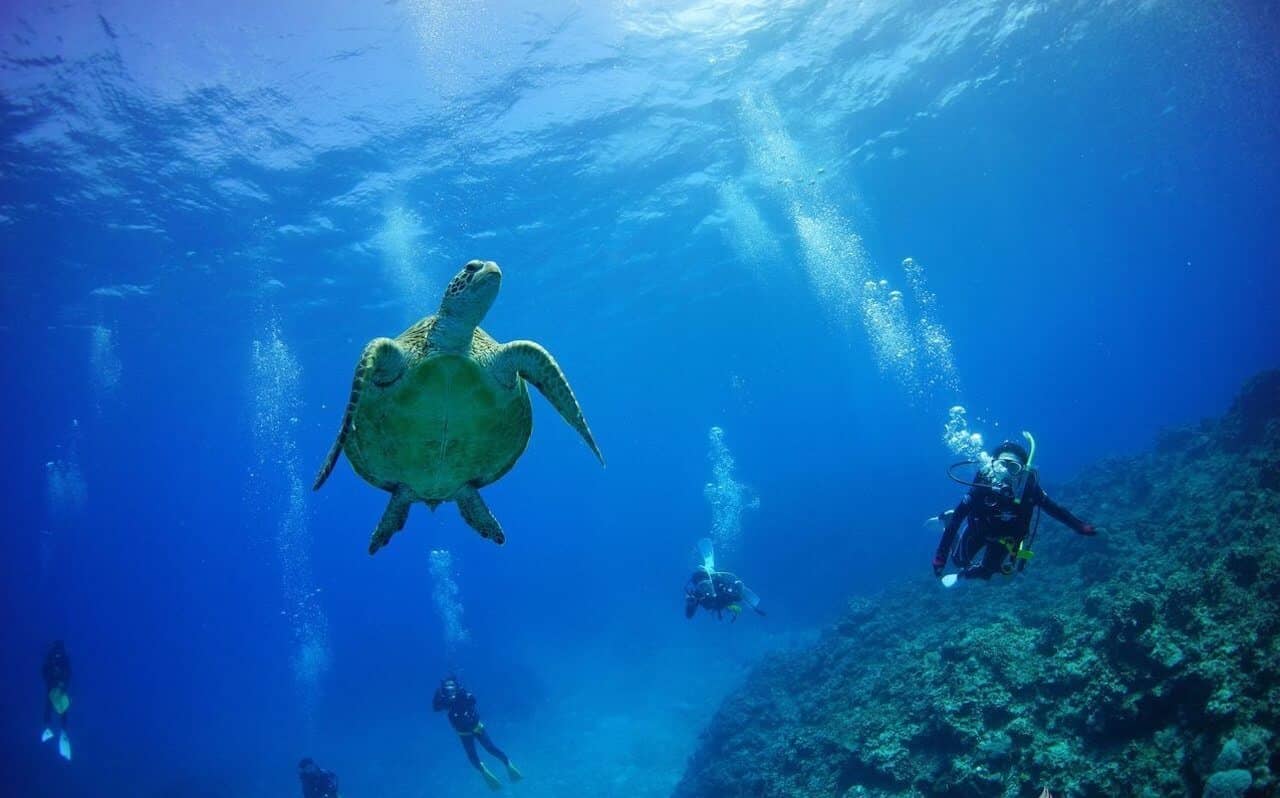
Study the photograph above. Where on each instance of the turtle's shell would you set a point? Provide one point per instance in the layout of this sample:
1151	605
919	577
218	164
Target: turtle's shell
443	424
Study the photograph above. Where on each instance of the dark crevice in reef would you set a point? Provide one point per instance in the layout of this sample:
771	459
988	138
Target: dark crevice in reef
1143	662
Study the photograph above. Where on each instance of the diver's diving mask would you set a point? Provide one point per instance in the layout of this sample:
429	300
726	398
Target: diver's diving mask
1006	467
1010	475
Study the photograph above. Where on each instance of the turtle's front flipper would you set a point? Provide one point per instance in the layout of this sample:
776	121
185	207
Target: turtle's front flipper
536	366
393	519
382	361
476	513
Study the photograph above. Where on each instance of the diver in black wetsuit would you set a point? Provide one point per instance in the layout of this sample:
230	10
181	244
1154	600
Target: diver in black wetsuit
718	592
316	783
56	671
465	720
999	507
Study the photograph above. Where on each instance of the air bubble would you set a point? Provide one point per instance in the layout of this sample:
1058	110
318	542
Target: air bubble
728	497
445	594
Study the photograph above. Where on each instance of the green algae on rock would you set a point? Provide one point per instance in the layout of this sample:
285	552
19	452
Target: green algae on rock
1143	662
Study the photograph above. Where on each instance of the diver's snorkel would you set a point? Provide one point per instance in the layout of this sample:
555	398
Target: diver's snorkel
1019	483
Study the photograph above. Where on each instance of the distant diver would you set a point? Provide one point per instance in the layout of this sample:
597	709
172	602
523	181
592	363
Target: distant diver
716	591
465	720
1000	507
57	684
317	783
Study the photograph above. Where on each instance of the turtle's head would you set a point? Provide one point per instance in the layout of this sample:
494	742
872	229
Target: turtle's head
471	292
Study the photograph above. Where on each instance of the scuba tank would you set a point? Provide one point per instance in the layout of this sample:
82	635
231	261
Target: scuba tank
707	551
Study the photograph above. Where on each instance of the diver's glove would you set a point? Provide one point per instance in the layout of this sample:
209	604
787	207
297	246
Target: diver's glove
939	562
1088	530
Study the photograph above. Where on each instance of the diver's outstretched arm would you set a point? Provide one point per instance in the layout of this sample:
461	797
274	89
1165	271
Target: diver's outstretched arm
1060	513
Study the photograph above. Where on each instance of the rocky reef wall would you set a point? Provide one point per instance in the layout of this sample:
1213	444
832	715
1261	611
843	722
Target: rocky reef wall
1144	662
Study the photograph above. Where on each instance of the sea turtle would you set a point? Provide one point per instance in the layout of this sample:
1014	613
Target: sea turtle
442	410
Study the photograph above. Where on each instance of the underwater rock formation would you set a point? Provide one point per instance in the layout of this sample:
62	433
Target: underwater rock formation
1143	662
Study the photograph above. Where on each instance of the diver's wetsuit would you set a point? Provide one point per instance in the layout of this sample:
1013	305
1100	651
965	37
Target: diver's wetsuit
317	783
57	673
465	720
995	517
716	594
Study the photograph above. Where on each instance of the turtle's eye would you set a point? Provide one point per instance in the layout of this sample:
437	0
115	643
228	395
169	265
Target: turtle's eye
474	266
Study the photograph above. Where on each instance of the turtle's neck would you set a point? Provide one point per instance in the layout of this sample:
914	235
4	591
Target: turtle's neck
452	334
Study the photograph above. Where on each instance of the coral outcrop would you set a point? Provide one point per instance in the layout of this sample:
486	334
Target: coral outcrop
1143	662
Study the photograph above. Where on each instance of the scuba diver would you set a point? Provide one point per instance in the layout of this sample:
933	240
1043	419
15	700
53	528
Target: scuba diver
465	720
57	682
1000	506
716	591
317	783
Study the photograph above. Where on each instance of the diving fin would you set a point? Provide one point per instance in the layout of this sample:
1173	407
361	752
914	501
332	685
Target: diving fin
489	778
64	746
708	554
950	579
752	600
47	736
513	774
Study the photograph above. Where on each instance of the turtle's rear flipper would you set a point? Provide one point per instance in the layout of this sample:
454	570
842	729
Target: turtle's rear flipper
539	368
382	361
393	519
476	513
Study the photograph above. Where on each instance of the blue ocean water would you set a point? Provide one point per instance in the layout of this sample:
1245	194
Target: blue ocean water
208	209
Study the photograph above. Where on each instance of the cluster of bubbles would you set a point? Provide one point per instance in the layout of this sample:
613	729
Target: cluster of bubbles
66	494
832	254
457	42
310	662
444	592
741	391
745	228
915	354
399	241
932	339
104	363
728	498
65	488
276	375
889	332
960	440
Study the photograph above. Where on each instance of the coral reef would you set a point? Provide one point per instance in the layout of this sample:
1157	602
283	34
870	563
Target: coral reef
1143	662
